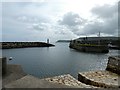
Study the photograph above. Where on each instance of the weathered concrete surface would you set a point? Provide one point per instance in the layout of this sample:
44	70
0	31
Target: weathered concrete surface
33	82
14	72
68	80
104	79
113	64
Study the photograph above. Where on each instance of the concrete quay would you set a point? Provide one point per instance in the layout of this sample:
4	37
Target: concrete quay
14	72
30	81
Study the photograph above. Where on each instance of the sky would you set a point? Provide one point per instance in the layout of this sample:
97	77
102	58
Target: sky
37	20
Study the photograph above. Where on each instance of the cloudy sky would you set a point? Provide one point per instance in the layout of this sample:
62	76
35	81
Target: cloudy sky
38	20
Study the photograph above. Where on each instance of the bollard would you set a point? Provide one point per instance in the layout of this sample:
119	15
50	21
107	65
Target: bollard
4	65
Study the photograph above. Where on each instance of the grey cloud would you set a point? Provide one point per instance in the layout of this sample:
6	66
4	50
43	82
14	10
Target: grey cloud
61	32
71	22
31	19
22	19
92	28
119	15
105	11
108	14
71	19
109	27
26	4
112	26
39	26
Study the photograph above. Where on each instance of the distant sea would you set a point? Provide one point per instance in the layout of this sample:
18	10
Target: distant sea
52	61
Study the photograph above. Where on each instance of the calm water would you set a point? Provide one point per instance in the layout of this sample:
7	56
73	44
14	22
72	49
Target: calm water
52	61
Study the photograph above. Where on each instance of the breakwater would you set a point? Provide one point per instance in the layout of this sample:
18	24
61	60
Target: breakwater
111	42
10	45
89	47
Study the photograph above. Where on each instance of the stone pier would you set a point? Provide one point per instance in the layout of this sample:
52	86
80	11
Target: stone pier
10	45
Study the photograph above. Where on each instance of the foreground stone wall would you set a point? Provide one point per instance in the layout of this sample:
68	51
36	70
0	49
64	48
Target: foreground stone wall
108	78
113	64
103	79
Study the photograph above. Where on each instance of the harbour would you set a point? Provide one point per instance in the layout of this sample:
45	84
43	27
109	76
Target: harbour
51	61
59	44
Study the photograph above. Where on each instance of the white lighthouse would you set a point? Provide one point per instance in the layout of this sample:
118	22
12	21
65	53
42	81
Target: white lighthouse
48	41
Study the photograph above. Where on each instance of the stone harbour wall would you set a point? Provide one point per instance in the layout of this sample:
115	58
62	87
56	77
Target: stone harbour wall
103	79
113	64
